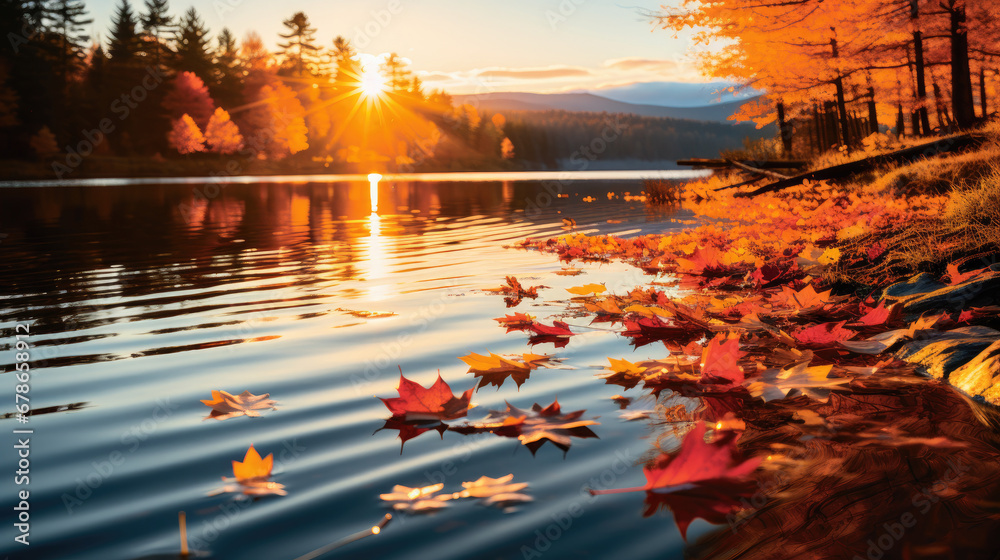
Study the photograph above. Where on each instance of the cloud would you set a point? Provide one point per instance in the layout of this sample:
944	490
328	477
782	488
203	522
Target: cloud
546	73
663	65
437	76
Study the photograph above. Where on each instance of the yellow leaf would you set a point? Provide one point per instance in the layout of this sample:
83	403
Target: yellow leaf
587	289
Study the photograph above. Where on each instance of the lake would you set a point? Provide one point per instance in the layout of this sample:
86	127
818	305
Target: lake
140	299
143	298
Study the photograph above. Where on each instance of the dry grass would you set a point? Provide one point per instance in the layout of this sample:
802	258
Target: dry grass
969	228
659	191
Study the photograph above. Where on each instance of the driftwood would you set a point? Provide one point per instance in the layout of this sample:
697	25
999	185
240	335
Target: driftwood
701	163
906	155
759	171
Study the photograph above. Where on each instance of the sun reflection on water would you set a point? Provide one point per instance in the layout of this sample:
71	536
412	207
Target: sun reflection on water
374	264
373	179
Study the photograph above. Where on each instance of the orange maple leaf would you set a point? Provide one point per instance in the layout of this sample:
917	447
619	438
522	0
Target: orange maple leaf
253	466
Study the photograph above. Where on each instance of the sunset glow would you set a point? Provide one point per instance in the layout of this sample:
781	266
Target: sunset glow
371	82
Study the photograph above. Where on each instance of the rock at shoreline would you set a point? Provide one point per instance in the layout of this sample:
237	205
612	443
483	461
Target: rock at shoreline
923	293
940	353
981	376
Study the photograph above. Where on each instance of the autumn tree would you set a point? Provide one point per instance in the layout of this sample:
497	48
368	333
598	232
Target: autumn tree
222	135
255	65
300	53
506	148
44	143
809	51
185	136
189	96
275	125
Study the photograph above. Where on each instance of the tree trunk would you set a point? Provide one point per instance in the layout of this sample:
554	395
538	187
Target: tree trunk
982	92
900	124
841	104
872	112
918	55
961	77
784	130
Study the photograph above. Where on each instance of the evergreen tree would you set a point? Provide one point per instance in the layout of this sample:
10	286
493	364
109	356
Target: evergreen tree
68	18
347	67
124	42
300	52
226	84
157	23
396	73
192	46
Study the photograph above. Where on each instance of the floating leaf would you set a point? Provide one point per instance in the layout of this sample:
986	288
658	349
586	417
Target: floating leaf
436	402
416	500
226	405
696	462
536	426
587	289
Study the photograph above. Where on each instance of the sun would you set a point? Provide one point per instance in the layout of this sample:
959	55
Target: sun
371	82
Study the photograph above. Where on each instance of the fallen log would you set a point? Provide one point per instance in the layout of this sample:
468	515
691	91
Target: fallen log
702	163
906	155
758	171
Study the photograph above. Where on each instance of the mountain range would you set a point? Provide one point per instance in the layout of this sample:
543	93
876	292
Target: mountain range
589	102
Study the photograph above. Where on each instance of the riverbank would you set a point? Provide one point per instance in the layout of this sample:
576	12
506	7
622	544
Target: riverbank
896	267
841	343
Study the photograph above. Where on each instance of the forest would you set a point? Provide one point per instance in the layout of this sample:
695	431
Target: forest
835	71
545	137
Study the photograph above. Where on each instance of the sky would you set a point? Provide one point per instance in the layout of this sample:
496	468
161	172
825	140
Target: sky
474	46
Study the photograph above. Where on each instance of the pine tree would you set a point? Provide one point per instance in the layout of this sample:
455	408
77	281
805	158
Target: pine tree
347	67
226	80
222	135
124	42
192	46
68	20
157	23
185	136
300	52
397	74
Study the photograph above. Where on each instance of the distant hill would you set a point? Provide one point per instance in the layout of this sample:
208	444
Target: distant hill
587	139
499	102
674	94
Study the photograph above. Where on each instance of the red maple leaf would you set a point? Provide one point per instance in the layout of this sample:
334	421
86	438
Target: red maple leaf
696	462
824	334
558	328
719	360
956	277
876	316
515	322
434	403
